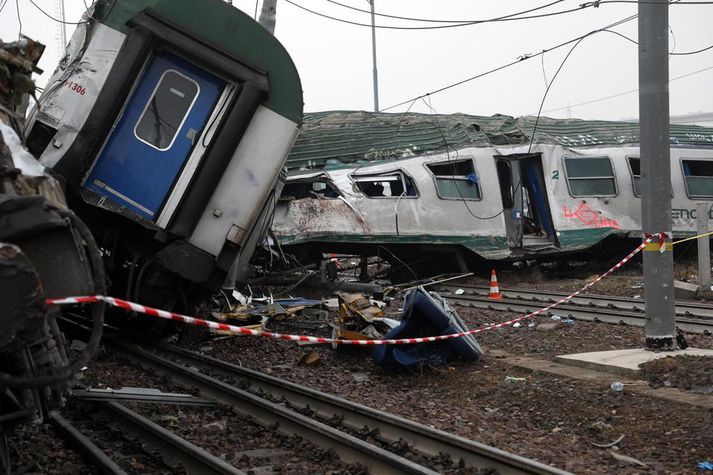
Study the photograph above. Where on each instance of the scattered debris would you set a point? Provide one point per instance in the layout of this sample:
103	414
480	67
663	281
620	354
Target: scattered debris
513	379
458	292
705	465
427	314
626	459
310	358
685	290
617	386
546	327
360	377
611	444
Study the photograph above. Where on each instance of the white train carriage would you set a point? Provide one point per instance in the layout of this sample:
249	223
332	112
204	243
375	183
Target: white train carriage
413	183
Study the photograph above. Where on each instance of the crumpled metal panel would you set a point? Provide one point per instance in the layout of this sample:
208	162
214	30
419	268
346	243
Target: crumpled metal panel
338	139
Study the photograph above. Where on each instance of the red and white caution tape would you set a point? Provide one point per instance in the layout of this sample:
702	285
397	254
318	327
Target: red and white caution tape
315	339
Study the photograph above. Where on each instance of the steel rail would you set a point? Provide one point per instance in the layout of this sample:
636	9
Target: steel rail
84	445
582	311
424	439
596	300
349	448
194	459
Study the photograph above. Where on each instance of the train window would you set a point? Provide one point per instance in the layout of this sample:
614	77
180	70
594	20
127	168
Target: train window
319	187
456	179
385	185
699	178
635	168
166	110
590	176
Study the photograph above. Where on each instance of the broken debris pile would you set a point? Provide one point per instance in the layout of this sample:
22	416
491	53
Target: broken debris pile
361	318
427	314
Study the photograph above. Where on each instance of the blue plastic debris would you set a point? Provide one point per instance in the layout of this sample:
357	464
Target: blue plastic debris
705	466
427	314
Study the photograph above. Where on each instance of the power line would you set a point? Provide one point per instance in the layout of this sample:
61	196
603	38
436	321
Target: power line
512	63
438	27
544	96
624	93
429	20
71	22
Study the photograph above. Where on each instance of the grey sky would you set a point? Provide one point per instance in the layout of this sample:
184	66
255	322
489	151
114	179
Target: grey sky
334	59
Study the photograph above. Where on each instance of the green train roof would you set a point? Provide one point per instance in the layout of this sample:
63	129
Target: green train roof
221	24
337	139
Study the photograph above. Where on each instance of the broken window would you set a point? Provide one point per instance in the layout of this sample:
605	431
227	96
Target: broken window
590	176
456	179
635	168
385	185
319	187
698	175
166	110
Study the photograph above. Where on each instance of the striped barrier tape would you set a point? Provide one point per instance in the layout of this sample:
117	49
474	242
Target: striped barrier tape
154	312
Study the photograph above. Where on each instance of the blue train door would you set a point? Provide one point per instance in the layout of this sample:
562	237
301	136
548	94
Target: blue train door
154	137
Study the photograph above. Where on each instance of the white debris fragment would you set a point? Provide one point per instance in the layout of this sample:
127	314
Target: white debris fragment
27	164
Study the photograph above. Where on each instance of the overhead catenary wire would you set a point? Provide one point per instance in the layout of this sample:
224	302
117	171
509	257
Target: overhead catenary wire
72	22
625	92
512	63
431	20
435	27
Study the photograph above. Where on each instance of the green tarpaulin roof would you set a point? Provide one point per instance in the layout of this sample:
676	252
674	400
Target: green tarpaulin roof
336	139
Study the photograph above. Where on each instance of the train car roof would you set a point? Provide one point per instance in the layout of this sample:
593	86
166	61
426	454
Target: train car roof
339	139
229	29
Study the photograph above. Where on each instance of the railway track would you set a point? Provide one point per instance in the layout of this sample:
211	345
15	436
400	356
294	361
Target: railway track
174	449
691	317
327	421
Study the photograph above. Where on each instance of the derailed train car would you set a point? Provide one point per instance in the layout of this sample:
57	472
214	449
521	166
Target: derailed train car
169	122
158	144
480	188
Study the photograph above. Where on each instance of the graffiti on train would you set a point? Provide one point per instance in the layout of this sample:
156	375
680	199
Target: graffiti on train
589	217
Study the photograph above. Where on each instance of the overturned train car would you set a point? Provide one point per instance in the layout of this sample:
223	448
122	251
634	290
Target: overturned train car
415	186
169	122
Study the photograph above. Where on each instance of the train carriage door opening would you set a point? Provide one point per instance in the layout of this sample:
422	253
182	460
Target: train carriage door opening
528	216
152	140
511	194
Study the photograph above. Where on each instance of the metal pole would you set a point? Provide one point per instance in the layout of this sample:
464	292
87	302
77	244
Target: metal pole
373	53
268	14
704	250
62	27
656	173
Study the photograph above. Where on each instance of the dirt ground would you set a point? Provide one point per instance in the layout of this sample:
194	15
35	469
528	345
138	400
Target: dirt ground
552	419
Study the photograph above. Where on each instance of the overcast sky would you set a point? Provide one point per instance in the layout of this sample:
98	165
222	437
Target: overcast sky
335	63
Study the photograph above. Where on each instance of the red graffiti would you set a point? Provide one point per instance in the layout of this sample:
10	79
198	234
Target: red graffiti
590	218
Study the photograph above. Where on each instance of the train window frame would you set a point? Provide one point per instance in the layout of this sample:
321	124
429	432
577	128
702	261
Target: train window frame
357	178
631	171
185	114
585	157
685	180
322	178
435	178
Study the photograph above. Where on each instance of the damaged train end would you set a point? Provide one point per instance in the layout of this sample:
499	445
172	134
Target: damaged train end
169	122
46	251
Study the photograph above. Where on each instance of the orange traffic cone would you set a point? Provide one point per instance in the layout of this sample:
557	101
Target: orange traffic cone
494	290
